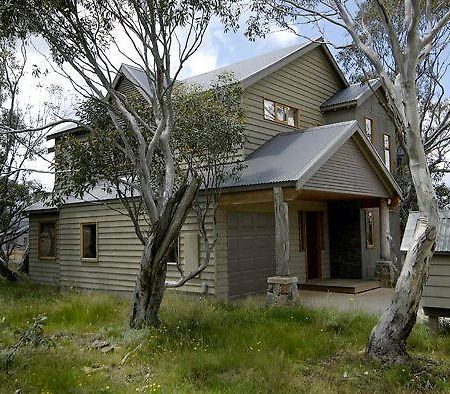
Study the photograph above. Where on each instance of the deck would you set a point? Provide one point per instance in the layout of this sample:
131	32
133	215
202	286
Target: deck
349	286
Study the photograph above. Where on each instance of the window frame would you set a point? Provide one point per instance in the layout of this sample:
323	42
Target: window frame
177	245
88	259
372	245
372	132
48	258
275	120
387	160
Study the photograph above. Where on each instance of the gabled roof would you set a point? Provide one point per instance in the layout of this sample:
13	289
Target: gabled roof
247	72
353	95
442	236
252	70
293	158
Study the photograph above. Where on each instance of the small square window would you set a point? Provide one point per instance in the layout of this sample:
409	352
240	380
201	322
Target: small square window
173	253
47	241
269	110
89	241
280	113
291	116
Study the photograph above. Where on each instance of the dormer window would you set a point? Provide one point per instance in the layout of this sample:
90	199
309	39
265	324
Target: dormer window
369	129
280	113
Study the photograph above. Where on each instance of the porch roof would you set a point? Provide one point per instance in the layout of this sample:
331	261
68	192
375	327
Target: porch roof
293	158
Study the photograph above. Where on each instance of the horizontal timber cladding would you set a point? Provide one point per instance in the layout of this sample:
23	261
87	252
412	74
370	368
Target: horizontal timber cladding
304	84
42	271
119	250
436	293
347	171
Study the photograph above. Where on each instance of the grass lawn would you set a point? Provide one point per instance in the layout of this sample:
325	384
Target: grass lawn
203	346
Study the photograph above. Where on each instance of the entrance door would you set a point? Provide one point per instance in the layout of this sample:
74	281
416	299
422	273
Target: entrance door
314	228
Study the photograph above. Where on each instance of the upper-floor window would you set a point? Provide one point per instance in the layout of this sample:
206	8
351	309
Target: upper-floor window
47	241
369	128
387	150
280	113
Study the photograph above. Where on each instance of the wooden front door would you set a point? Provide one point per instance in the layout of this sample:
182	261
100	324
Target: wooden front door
314	228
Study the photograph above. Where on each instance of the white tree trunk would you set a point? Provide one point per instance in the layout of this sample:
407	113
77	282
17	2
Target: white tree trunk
387	340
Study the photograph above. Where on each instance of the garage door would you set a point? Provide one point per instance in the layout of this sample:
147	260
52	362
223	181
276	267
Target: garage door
251	252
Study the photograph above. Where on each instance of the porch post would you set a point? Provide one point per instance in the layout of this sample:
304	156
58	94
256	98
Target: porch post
385	231
281	233
384	270
282	288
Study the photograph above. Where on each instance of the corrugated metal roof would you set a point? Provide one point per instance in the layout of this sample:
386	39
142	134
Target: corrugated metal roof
98	193
243	70
246	68
353	95
442	236
286	157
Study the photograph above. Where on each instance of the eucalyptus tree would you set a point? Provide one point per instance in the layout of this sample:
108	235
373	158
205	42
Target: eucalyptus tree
16	150
434	105
159	37
420	30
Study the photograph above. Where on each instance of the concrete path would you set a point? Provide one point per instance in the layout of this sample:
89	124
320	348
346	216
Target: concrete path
372	302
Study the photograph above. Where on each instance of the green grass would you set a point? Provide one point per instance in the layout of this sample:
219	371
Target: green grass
203	346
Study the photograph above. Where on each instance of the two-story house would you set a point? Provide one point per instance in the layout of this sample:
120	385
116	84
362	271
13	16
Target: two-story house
329	145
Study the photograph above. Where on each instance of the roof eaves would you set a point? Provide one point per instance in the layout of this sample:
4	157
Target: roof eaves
57	134
374	85
315	164
333	107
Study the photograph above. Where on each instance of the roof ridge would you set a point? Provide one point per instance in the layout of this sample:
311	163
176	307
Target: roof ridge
296	46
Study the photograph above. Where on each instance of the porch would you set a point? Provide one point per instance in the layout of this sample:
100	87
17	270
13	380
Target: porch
309	205
348	286
321	239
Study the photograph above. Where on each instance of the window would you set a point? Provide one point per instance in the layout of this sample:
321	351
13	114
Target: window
369	128
280	113
387	151
370	229
89	241
173	253
47	241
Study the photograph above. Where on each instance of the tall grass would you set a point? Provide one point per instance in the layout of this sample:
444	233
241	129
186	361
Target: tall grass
203	346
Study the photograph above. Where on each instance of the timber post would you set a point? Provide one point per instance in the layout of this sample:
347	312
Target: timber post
384	267
282	288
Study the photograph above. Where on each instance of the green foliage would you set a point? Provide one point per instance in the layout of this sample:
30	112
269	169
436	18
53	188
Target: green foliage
208	133
204	346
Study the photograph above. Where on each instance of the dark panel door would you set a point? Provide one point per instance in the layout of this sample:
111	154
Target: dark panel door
251	252
314	228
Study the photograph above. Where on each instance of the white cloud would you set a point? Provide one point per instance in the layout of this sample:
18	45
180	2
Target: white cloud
284	37
201	62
